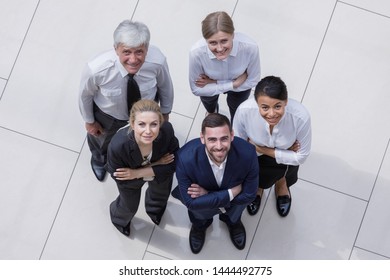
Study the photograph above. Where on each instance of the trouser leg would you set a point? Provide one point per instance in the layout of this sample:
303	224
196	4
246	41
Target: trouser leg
234	99
123	209
98	145
210	103
232	215
202	219
156	198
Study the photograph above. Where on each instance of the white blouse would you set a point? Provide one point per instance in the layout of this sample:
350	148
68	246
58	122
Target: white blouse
294	125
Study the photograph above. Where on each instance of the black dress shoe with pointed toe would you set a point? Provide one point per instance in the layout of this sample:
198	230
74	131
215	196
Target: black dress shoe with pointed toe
254	206
124	230
237	235
197	237
98	170
283	204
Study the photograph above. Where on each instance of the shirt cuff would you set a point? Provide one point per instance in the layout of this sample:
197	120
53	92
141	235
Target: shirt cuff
230	194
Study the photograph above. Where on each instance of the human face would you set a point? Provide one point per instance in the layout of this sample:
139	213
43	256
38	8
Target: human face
217	141
146	127
220	44
131	58
271	109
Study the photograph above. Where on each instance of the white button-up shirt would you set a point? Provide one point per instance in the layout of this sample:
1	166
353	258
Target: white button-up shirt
104	81
244	56
294	125
218	173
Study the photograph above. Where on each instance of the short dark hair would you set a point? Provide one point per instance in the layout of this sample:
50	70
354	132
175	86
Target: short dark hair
215	120
273	87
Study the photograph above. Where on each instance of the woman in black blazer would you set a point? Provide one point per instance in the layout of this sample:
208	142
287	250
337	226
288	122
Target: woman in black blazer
142	152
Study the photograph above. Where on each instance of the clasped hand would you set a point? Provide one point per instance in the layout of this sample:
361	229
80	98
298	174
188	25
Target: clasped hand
125	173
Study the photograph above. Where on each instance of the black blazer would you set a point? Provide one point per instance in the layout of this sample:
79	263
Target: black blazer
123	152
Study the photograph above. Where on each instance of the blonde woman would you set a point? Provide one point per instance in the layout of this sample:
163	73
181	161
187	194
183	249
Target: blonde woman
142	152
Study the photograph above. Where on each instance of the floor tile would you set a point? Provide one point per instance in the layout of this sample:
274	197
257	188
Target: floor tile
34	178
288	47
14	23
83	229
308	232
374	233
337	97
45	80
376	6
2	86
359	254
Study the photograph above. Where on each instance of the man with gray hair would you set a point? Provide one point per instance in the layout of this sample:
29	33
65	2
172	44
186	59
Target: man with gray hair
114	80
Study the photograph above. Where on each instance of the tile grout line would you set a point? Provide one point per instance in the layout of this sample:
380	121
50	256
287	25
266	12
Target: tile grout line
369	198
319	51
40	140
363	9
21	46
62	200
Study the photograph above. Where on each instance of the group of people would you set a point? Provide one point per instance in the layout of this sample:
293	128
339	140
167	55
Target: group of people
126	96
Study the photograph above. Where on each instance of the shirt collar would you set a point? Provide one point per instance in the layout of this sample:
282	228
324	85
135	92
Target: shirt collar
120	68
232	53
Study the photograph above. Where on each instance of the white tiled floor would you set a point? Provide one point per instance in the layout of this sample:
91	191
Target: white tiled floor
334	57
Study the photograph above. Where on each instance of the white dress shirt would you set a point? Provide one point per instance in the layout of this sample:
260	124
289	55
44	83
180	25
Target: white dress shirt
244	56
104	81
218	174
294	125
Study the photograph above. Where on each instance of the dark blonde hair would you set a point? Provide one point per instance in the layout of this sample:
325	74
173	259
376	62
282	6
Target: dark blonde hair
145	105
215	22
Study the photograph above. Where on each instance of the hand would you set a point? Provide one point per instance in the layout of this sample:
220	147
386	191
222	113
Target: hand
123	174
263	149
295	147
204	80
166	159
95	129
166	117
240	80
195	191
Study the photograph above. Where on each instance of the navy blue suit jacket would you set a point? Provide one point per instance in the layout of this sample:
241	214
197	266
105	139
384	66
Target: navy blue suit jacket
193	166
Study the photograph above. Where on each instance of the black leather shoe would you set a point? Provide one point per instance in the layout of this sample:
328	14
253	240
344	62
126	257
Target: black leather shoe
238	235
254	206
283	204
197	237
98	170
124	230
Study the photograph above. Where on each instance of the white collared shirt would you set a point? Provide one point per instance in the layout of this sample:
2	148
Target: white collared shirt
243	57
294	125
104	81
218	173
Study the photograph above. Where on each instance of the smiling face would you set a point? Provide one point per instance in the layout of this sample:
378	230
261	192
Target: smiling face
131	58
217	141
271	109
220	44
146	126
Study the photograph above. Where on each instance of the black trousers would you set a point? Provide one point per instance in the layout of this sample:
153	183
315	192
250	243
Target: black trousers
234	99
123	209
270	171
98	145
